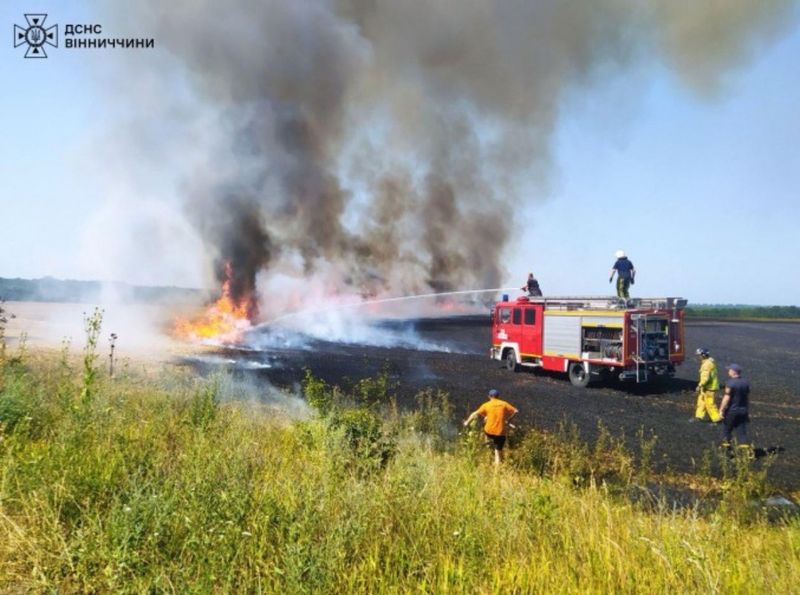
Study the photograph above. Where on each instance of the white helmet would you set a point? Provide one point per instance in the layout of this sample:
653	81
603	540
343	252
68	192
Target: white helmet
620	253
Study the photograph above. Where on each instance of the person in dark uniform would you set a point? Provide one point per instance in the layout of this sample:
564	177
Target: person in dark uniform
735	407
626	274
532	286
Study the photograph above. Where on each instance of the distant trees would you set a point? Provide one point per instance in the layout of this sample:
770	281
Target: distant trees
740	312
48	289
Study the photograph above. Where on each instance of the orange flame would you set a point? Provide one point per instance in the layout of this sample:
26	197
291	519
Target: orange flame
224	319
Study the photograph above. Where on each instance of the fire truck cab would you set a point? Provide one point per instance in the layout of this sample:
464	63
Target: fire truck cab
588	338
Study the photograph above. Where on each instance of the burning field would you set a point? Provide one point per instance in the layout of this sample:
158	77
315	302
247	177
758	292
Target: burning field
344	153
357	180
347	340
448	350
450	353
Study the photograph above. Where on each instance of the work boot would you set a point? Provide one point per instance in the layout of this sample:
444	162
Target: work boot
695	420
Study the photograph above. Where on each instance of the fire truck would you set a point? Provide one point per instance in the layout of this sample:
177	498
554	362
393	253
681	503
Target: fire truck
590	338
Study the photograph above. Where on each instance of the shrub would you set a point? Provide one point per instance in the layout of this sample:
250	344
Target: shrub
744	482
565	455
318	394
374	391
364	437
433	417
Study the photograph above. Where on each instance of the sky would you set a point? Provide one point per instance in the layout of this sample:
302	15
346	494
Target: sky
701	192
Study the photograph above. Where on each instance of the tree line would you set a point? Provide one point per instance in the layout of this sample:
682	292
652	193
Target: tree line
738	312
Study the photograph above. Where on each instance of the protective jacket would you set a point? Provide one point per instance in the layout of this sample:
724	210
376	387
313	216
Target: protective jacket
708	374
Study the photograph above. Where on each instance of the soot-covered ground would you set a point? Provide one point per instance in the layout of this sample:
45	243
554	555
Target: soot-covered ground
768	352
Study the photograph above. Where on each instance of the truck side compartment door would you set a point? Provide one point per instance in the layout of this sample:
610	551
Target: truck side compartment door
515	328
531	339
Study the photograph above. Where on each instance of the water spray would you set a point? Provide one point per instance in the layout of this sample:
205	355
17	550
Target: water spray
419	296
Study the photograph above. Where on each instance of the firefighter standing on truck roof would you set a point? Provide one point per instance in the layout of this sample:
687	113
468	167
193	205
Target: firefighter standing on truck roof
626	274
532	286
497	413
706	388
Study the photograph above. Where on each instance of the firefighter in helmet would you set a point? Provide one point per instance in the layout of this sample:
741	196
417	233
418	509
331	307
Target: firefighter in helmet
626	274
706	388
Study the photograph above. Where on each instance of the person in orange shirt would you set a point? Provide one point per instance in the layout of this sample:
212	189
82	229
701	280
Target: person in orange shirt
497	414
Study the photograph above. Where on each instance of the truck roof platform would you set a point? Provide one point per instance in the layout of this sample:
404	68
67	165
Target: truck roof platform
605	302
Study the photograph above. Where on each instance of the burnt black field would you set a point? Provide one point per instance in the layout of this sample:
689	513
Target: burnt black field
768	352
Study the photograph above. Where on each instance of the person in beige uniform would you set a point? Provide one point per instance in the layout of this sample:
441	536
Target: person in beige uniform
706	388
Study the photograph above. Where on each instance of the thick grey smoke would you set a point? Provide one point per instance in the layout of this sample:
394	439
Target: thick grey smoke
386	139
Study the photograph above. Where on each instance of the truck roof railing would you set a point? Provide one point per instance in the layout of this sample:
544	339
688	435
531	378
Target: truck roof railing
606	302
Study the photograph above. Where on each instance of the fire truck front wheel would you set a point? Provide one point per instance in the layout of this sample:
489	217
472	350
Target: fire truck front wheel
511	360
578	375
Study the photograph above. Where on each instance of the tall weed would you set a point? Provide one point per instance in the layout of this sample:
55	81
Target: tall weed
92	325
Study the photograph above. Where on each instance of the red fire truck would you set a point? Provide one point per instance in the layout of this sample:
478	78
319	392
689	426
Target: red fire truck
590	337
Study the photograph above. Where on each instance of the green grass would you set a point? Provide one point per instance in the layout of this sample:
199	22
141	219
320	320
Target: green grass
151	482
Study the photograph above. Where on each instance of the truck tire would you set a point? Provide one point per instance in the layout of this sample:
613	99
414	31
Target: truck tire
578	375
511	360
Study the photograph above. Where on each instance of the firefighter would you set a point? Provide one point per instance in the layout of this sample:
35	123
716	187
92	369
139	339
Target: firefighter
735	408
626	274
497	414
532	286
706	388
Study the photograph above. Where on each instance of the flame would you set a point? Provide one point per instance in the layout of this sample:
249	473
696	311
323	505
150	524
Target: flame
225	319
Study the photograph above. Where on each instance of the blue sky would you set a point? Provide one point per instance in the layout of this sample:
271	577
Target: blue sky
702	193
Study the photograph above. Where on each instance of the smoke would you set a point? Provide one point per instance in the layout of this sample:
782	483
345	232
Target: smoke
232	385
139	328
388	141
236	228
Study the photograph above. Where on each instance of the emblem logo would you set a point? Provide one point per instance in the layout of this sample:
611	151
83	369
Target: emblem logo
36	36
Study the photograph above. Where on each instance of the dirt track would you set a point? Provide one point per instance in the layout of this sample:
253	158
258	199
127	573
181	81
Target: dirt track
768	352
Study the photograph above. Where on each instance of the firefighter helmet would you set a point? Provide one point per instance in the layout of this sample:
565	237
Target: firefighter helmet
702	351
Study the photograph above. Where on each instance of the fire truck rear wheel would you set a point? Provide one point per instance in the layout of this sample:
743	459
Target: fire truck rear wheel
578	375
511	360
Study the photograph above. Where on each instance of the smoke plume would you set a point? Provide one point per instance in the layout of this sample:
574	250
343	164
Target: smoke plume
386	139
